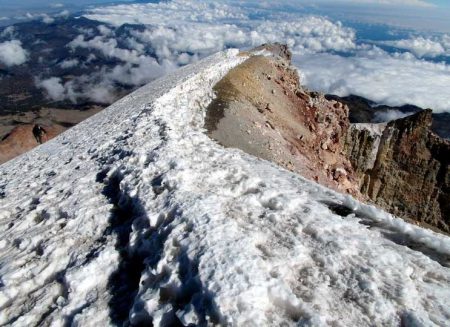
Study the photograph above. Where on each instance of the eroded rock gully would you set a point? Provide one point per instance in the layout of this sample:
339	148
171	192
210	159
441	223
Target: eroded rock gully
403	167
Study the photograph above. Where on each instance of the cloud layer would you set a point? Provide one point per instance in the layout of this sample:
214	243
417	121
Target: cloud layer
179	32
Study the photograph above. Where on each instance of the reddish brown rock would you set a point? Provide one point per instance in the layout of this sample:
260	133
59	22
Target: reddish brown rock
405	169
278	120
16	130
22	139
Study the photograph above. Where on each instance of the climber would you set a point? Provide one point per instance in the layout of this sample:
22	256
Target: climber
38	132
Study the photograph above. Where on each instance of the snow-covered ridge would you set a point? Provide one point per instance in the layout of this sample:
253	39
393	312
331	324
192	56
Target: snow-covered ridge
136	214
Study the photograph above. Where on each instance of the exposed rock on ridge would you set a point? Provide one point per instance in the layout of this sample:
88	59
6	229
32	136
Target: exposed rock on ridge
262	109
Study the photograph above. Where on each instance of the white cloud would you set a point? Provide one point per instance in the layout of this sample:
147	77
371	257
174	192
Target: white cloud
204	27
69	63
180	32
147	71
47	19
92	88
388	115
9	31
307	34
12	53
101	85
423	47
107	46
102	93
388	79
54	88
164	13
104	30
63	14
170	42
88	32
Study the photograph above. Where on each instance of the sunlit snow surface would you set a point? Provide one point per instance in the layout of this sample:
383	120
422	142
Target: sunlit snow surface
136	214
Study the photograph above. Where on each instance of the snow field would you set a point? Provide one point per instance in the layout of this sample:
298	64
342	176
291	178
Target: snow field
135	214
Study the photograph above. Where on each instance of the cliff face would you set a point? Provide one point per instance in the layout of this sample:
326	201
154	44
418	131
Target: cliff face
404	168
261	108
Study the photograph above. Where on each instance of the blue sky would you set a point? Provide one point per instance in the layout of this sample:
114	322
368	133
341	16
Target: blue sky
444	3
403	13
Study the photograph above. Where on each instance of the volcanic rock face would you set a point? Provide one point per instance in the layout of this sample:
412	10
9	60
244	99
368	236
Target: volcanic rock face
261	109
404	168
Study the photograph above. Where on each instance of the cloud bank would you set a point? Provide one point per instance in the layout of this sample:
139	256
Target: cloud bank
393	80
424	47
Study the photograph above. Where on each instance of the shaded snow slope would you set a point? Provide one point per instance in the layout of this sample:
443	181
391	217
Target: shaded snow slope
135	214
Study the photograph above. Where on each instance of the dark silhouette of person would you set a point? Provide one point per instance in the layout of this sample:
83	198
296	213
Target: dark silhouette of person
38	132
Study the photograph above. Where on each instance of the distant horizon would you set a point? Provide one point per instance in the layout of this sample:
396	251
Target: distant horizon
433	18
13	11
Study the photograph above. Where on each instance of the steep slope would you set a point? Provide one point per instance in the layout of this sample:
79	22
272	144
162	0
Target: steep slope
137	216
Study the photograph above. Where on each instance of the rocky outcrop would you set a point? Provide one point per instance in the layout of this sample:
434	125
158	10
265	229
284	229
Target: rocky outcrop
404	168
262	109
401	166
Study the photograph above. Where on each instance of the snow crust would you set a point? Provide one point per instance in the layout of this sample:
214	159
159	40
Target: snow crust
373	129
376	131
135	214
